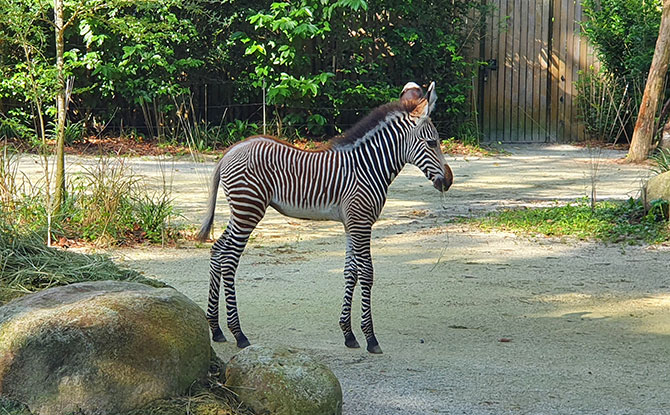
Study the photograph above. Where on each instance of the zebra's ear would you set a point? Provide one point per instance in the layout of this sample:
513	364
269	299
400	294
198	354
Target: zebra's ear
411	91
432	97
421	110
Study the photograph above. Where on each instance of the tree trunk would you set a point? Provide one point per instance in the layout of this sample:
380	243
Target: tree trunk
643	134
59	192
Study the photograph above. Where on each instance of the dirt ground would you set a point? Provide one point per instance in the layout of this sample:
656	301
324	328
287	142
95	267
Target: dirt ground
470	322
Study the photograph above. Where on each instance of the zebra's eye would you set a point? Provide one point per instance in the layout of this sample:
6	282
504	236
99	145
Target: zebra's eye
432	143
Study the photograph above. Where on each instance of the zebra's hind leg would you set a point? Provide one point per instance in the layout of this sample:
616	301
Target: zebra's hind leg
224	264
239	235
350	278
215	265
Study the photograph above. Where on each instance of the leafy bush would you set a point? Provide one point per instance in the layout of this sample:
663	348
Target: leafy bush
107	204
325	64
103	198
623	33
153	214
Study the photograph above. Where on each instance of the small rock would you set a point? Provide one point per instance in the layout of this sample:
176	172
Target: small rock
658	187
282	381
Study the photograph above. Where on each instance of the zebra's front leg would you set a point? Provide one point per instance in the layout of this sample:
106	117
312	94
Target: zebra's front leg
361	250
350	278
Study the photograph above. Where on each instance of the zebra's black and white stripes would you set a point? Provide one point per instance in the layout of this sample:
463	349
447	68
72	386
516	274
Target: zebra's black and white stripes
347	182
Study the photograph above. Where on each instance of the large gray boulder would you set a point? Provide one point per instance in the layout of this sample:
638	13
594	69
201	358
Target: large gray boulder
283	381
100	347
658	187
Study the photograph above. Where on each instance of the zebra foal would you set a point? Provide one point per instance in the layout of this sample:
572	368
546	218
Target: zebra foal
346	182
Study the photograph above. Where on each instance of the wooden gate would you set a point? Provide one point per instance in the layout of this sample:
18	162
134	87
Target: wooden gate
535	52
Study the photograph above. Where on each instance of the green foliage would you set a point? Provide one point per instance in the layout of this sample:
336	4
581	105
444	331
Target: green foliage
107	204
624	34
10	407
74	131
324	63
102	196
239	130
153	214
609	221
662	159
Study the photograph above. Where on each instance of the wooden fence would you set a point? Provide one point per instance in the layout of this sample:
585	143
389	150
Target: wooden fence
536	51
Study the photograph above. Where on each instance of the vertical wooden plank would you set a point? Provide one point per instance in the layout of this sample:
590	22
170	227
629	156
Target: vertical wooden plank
575	68
505	75
523	68
583	64
529	58
496	75
544	58
567	85
556	59
537	68
487	87
561	46
517	101
500	73
552	78
509	69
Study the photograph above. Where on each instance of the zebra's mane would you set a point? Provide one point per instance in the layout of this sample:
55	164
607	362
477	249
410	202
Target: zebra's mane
379	114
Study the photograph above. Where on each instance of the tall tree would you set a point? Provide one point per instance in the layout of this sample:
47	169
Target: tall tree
643	134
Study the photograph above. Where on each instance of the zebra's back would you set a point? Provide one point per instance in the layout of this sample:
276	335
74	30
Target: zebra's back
297	183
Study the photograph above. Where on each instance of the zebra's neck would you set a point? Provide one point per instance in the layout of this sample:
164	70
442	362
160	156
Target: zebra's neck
381	152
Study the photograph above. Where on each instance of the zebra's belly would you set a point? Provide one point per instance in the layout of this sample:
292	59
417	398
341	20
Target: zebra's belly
322	213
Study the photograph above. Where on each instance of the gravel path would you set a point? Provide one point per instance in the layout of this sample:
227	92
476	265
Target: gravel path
585	326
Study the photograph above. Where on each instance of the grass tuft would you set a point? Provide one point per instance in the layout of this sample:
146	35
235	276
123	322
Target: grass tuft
662	159
206	397
608	221
27	265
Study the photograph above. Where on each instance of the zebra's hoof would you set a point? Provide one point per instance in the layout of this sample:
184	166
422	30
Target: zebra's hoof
242	341
375	349
217	336
351	342
373	346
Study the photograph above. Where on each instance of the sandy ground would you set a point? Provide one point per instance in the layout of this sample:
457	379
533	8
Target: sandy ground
586	325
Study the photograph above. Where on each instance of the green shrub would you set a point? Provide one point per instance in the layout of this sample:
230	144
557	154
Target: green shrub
153	214
106	204
103	195
322	71
623	33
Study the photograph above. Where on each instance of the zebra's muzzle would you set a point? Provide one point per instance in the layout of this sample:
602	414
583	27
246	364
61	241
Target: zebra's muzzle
443	183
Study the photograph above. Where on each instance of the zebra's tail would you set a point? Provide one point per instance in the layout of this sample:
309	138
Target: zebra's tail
209	217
